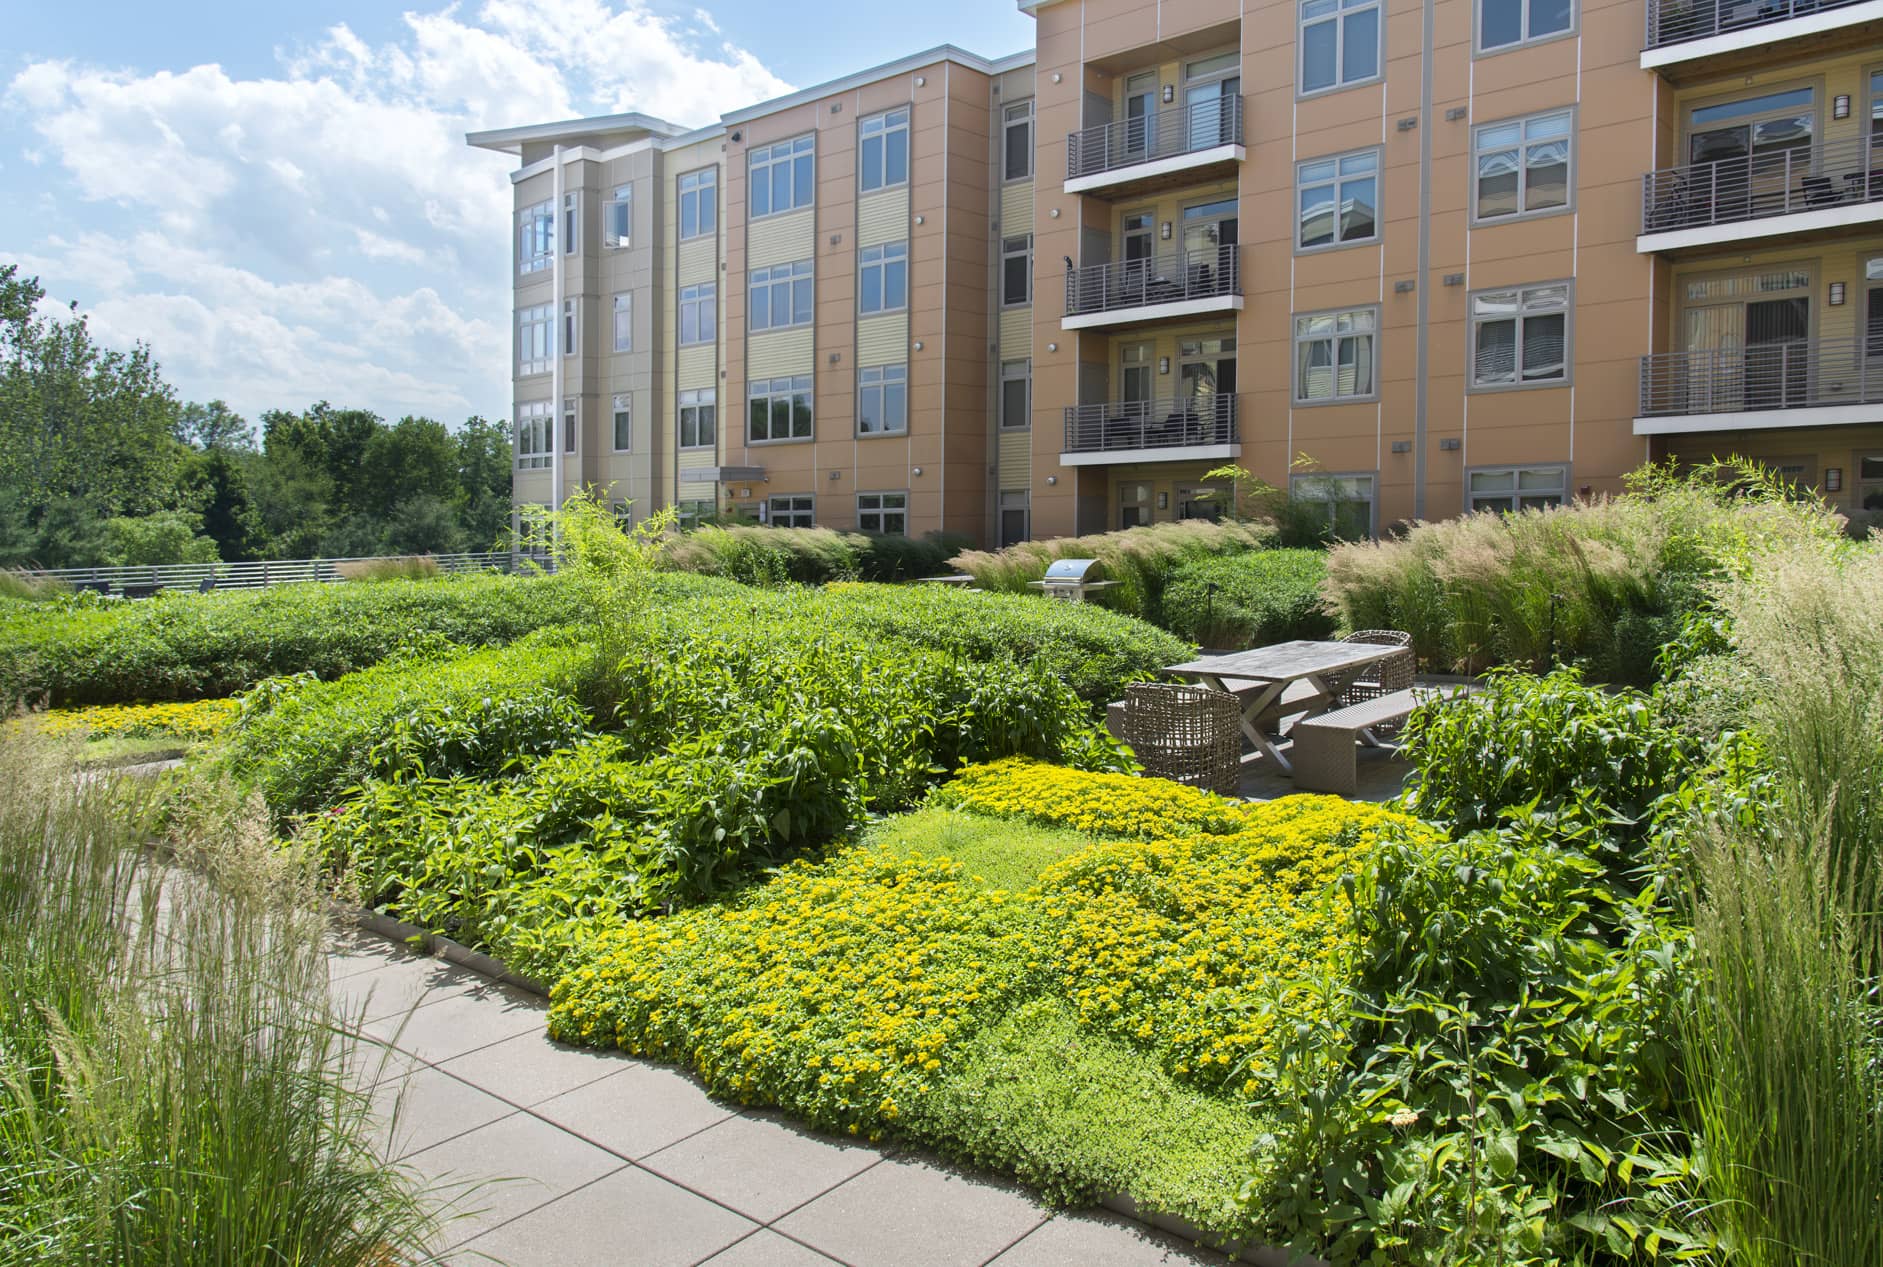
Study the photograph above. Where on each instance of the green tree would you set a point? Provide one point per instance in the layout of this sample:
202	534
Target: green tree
218	481
484	458
169	536
215	428
415	457
424	524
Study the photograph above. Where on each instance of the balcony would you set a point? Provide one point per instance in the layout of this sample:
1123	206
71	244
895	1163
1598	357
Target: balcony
1696	38
1829	186
1798	383
1192	143
1130	292
1187	427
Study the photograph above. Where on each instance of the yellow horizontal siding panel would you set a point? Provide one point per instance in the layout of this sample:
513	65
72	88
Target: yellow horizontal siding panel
1016	333
694	459
883	340
1016	458
696	365
779	352
780	239
1016	208
699	261
883	216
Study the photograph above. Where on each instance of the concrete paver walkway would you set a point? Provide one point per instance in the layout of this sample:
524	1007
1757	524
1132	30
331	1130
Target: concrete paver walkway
602	1159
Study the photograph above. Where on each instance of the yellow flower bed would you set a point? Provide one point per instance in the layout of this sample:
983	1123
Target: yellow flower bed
1099	804
200	719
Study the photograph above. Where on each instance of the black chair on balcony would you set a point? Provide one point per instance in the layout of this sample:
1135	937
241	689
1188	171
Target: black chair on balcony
1818	191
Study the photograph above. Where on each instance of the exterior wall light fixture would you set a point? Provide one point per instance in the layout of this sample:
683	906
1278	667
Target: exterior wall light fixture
1837	294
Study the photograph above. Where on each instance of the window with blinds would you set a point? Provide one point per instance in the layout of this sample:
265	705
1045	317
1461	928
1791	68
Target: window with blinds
1520	336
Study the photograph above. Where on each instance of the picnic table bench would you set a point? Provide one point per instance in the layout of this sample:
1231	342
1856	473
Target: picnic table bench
1276	682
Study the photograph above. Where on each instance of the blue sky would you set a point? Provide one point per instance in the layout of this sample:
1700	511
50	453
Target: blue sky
278	197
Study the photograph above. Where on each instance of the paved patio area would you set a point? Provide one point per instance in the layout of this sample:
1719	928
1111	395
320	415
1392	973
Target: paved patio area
602	1159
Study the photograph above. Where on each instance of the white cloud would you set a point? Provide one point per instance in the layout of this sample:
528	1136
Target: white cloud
324	231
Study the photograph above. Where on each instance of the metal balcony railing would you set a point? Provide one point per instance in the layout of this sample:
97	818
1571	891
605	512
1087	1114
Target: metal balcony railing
1796	374
1675	21
1760	186
1164	279
148	578
1151	424
1187	129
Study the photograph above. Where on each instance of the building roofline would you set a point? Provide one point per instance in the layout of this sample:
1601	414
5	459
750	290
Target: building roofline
512	140
914	61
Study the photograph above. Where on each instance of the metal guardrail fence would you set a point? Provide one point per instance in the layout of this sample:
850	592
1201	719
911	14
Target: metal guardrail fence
1676	21
1161	279
1799	373
1187	129
1759	186
1151	424
138	581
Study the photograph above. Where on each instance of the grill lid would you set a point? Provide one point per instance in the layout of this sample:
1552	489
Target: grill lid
1074	572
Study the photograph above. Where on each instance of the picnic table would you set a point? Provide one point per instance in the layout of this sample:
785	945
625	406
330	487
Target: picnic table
1270	671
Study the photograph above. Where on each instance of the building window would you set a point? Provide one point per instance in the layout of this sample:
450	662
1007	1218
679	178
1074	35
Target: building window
886	514
1340	43
1338	200
791	511
1016	394
571	222
1522	165
781	297
699	316
624	322
624	423
1520	337
1505	23
699	203
570	417
536	339
781	177
693	513
779	409
882	400
569	342
1017	141
1015	517
534	419
1516	488
1346	499
618	217
699	424
536	237
885	144
883	277
1335	356
1016	270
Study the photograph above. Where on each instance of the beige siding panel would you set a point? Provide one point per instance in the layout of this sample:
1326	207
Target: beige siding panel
698	261
779	352
696	366
1016	333
883	216
694	459
883	340
1016	458
780	239
1016	208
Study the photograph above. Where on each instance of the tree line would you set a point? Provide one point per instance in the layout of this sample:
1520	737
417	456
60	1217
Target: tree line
102	464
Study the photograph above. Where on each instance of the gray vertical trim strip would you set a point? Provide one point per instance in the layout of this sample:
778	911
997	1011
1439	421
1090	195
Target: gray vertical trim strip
1425	263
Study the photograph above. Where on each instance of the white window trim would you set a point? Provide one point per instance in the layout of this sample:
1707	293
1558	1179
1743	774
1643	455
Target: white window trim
537	316
534	454
789	276
696	399
1009	120
615	211
622	325
622	403
571	222
571	326
542	245
791	155
571	424
705	195
704	293
1523	182
885	129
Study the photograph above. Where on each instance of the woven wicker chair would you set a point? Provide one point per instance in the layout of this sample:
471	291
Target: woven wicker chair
1383	677
1186	734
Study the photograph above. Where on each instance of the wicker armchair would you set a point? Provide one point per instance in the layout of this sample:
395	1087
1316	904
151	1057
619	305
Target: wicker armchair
1186	734
1383	677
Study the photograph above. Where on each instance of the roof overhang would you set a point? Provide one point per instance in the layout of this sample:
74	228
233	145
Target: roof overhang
571	131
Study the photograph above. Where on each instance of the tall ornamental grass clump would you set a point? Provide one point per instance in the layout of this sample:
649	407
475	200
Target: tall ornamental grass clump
171	1068
811	556
1140	560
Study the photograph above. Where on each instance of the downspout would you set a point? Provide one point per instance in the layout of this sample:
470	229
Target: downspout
557	249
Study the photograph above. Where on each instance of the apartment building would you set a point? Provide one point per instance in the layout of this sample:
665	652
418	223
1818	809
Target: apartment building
1408	259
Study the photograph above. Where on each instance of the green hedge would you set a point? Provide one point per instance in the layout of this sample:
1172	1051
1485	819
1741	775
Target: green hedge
812	556
1249	600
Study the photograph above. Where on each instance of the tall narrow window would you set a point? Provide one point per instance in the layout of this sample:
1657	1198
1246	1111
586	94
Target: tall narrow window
570	423
795	510
884	140
1016	270
1017	141
699	203
1338	200
569	343
1521	166
1015	516
536	237
882	400
535	418
1016	394
623	412
624	322
1335	355
782	177
699	426
1506	23
781	296
699	315
883	277
571	222
536	339
780	409
1340	43
618	217
886	514
1520	337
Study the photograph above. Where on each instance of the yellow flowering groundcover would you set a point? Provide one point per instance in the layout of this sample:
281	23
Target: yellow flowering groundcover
198	720
1100	805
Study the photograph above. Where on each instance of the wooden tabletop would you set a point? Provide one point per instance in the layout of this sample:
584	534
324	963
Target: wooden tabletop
1286	661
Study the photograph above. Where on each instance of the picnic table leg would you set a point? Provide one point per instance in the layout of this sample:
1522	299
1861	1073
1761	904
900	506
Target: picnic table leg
1252	708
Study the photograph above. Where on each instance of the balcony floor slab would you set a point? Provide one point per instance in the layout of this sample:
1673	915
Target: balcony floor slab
1152	312
1175	453
1849	415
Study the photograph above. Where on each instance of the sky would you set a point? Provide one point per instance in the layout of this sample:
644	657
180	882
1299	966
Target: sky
279	200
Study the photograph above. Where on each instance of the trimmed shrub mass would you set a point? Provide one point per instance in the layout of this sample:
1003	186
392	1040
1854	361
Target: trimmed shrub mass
1249	600
773	556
